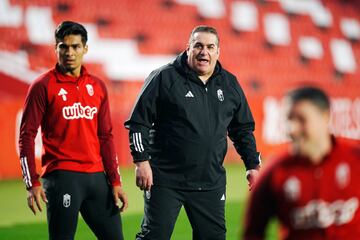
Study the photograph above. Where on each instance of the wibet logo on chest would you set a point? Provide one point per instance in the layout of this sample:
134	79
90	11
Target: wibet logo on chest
77	111
323	209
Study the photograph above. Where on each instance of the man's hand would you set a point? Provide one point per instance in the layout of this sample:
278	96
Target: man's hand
34	196
251	176
120	195
144	177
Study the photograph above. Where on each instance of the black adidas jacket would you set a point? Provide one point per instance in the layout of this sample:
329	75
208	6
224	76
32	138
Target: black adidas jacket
181	125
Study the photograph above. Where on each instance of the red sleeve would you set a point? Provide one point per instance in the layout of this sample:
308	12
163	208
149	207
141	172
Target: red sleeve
107	148
34	108
261	207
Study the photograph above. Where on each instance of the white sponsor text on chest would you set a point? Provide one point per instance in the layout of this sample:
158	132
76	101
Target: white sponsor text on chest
77	111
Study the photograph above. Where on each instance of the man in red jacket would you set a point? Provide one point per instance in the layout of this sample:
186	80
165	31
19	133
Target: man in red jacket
79	163
313	189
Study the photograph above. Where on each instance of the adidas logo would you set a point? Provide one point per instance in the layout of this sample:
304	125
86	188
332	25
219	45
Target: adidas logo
189	94
223	197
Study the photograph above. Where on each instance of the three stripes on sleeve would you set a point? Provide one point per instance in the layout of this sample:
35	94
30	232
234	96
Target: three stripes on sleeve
137	142
25	172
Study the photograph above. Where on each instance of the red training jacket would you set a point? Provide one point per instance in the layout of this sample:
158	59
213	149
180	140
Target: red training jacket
75	123
310	201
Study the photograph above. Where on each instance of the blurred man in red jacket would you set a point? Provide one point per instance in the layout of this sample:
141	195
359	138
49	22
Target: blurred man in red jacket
313	189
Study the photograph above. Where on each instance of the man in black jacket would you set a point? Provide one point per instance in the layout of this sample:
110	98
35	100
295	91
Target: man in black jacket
178	141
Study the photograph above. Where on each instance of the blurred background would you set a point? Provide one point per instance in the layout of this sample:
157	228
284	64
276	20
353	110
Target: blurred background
271	46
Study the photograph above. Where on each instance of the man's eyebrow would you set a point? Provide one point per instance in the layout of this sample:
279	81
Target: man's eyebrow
69	45
204	44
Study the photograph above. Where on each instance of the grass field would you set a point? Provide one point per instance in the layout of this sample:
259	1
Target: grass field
18	223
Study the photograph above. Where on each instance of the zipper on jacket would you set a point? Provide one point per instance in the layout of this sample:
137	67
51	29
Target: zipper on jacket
207	107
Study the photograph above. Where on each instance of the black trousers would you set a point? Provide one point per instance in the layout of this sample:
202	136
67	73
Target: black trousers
69	193
205	210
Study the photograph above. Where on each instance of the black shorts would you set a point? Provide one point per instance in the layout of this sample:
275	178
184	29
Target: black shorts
205	210
69	193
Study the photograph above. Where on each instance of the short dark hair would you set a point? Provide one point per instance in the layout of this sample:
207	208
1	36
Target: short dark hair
70	28
204	28
313	94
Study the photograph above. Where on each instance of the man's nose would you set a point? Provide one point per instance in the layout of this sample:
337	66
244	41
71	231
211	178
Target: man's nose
70	51
204	50
293	128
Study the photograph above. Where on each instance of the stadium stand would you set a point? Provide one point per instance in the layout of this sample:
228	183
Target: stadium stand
270	45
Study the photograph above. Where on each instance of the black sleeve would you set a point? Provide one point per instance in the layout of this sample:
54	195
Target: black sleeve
241	130
142	118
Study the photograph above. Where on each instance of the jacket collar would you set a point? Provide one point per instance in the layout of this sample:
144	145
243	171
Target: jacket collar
66	78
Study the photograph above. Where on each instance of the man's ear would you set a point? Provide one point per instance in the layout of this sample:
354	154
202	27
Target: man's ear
86	48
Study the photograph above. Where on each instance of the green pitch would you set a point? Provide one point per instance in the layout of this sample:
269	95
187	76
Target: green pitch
18	223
